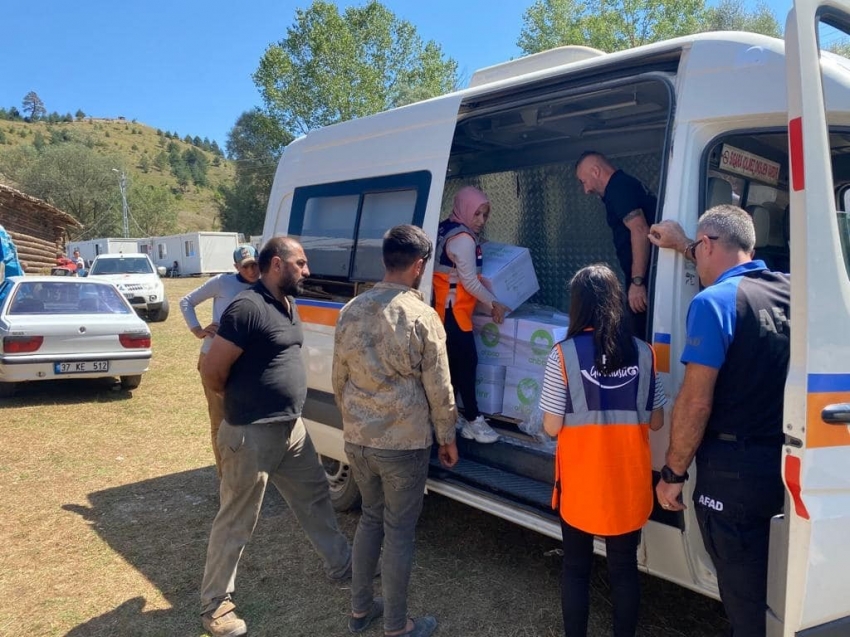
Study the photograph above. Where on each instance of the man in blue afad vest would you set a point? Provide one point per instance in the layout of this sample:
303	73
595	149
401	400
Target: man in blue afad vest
729	410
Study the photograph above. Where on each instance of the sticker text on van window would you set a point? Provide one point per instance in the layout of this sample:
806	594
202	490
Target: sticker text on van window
735	160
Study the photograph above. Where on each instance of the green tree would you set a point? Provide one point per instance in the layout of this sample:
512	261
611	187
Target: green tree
255	144
145	164
153	209
841	48
33	105
161	161
197	163
74	178
733	15
80	114
608	25
332	67
38	141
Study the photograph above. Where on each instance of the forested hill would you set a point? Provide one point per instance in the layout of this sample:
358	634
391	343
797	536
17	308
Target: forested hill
172	181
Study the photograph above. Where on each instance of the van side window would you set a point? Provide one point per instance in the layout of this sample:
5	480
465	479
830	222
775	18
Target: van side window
341	226
328	234
751	171
381	211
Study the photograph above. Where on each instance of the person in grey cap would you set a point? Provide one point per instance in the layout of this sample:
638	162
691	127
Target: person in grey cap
221	289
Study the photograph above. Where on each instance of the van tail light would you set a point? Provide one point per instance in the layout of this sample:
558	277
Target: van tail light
135	341
21	344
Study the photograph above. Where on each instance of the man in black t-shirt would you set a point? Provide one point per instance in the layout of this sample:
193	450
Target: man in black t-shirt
255	362
630	210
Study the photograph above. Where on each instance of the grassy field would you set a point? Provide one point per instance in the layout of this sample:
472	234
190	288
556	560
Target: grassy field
108	500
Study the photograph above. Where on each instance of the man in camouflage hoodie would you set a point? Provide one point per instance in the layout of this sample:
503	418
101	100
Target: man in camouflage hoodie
391	382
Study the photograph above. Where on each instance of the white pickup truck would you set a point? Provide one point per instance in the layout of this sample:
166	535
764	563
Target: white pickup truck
137	279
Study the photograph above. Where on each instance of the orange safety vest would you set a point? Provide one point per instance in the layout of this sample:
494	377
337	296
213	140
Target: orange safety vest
448	290
603	464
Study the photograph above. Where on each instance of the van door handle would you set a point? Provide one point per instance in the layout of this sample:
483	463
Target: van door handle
837	414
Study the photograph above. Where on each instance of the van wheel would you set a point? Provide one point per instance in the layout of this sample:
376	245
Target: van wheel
7	390
158	316
345	495
131	382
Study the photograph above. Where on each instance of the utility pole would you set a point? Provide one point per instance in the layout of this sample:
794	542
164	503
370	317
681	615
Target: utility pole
125	211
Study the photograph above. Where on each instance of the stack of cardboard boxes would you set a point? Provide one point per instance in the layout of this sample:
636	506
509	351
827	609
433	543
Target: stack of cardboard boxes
520	346
512	356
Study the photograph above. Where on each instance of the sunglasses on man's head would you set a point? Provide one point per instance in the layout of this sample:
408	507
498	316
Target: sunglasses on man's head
691	250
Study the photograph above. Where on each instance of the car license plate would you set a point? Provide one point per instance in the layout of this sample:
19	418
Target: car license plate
81	367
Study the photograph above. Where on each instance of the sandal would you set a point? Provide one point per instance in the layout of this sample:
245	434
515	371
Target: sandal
359	624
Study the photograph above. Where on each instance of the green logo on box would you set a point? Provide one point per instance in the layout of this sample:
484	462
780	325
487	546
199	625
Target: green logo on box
490	335
541	342
527	391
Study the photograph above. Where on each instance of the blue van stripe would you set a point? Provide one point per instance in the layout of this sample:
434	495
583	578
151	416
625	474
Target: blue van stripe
662	338
312	302
823	383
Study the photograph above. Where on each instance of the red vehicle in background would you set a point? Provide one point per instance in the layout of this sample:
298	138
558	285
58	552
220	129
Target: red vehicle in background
64	267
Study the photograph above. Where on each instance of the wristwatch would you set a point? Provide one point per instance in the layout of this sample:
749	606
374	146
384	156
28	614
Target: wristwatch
670	477
637	280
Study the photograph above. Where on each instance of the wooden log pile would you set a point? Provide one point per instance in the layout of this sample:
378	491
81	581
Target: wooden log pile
38	229
36	255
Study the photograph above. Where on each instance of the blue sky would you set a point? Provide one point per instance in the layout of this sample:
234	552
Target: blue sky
186	65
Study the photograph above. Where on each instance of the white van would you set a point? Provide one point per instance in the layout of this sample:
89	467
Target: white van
702	120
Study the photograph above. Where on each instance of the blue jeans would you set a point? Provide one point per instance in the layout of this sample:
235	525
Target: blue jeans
621	551
392	485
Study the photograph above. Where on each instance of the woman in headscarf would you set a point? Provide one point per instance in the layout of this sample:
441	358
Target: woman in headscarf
457	290
601	396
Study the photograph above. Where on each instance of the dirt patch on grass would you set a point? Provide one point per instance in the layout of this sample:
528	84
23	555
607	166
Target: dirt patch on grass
109	497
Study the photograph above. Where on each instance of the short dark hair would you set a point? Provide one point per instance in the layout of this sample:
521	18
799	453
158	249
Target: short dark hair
403	246
589	153
281	247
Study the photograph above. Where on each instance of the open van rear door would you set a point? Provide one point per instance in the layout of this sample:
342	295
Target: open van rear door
816	462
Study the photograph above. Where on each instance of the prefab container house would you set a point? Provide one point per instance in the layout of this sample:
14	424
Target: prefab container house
90	248
194	252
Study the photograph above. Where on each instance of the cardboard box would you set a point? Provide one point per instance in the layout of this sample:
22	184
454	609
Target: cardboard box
535	338
489	388
494	343
522	392
508	273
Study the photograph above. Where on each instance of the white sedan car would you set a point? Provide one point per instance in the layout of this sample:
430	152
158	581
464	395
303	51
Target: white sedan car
55	327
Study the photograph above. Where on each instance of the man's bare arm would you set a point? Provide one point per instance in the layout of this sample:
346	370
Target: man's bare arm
636	223
217	363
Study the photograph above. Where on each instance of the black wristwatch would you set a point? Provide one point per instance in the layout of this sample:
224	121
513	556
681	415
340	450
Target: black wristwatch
637	280
670	477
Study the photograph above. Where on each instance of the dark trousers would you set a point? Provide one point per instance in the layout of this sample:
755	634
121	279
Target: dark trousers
622	573
392	483
463	362
739	548
734	521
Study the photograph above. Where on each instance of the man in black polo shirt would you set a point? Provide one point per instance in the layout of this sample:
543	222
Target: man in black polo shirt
630	210
255	361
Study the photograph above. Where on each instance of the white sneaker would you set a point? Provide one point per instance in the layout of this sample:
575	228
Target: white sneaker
479	431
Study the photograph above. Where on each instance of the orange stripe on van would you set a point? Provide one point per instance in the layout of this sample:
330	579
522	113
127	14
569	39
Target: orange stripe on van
661	346
662	357
318	315
819	433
